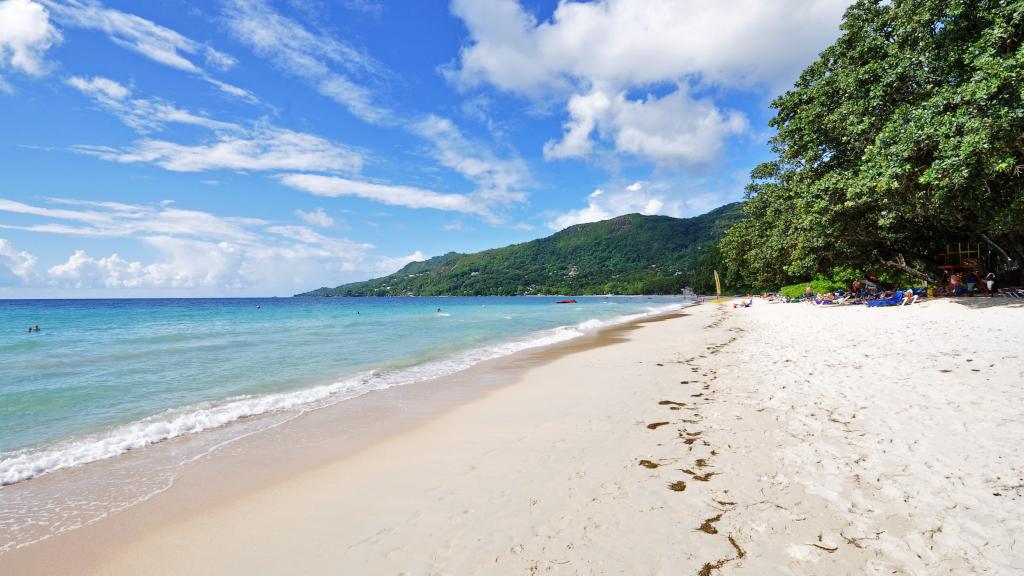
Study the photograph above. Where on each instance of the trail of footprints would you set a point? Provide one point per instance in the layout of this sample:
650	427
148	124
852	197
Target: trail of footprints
699	388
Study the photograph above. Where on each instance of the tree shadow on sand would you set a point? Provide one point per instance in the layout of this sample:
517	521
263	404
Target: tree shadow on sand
983	302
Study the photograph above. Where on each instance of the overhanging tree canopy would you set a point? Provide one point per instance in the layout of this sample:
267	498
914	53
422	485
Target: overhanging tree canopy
906	134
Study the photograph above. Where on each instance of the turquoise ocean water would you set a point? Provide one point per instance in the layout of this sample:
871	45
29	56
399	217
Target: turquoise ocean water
103	377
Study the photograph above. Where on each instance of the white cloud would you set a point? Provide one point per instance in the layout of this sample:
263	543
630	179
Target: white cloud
15	265
636	197
584	113
185	264
668	130
194	251
594	212
408	196
327	63
81	270
593	54
25	35
680	196
643	42
389	265
263	148
142	114
147	38
316	218
497	180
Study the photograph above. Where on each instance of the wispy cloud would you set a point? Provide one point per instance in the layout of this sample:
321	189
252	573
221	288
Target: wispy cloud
408	196
142	114
149	39
260	149
497	180
372	7
112	219
327	63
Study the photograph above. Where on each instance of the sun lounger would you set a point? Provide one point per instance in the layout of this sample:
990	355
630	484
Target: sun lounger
893	301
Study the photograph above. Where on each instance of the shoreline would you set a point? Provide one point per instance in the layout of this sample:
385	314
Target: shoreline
212	416
311	438
774	439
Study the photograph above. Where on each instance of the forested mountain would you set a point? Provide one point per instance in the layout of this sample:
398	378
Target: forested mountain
631	254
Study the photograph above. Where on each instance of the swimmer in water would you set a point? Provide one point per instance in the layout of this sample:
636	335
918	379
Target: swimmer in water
37	328
438	310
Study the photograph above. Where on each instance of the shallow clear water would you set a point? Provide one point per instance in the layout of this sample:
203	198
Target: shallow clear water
107	376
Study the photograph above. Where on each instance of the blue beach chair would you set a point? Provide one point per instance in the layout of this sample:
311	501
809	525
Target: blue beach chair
894	300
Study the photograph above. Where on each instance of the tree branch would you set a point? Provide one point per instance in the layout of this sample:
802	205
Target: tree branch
900	263
1009	261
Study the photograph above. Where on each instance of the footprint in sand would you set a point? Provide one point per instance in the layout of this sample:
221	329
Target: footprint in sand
699	477
708	526
710	567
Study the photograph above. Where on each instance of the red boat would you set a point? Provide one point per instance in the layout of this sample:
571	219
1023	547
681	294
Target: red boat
569	301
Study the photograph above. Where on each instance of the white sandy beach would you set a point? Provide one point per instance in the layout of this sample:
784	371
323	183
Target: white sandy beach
779	439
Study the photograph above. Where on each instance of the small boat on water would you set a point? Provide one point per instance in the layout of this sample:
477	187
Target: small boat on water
569	301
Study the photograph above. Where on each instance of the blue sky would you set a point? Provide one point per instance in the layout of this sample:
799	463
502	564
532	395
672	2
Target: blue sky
258	147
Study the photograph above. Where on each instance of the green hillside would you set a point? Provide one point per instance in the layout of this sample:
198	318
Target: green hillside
631	254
